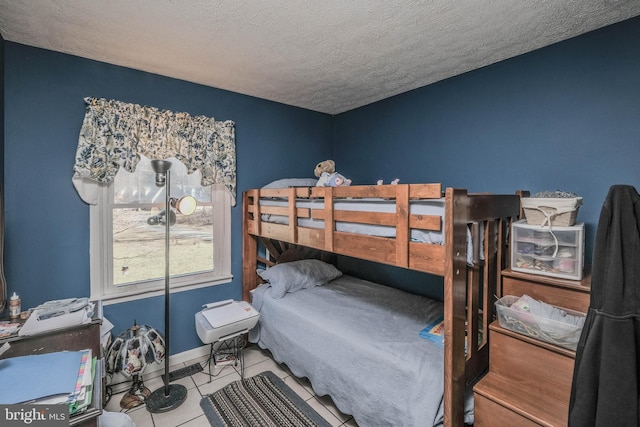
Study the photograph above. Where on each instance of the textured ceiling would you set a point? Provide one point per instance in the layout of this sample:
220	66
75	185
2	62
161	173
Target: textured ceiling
328	55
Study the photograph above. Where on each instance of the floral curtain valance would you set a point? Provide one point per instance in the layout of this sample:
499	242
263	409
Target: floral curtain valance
115	134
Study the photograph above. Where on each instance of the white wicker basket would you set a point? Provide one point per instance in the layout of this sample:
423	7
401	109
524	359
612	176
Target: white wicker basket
551	211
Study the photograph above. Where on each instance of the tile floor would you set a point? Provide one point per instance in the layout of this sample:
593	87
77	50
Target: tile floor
189	414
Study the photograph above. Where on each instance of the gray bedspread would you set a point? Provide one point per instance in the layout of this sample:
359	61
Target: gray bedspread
359	342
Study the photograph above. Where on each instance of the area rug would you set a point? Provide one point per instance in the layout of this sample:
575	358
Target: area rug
263	400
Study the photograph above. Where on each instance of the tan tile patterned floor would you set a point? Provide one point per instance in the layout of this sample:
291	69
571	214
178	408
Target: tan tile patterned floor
189	414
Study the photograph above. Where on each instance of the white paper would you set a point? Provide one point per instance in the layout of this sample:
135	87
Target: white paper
34	326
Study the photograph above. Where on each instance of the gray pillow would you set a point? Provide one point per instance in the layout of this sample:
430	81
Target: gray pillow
297	275
292	182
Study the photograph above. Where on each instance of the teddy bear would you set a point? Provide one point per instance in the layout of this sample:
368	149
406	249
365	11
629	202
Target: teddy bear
328	166
327	175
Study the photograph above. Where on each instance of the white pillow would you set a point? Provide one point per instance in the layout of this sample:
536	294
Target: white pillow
297	275
292	182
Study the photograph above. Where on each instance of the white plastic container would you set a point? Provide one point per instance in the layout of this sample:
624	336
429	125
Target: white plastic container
552	331
549	251
15	306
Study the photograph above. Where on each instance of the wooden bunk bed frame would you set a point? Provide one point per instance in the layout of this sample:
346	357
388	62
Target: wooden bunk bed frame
469	291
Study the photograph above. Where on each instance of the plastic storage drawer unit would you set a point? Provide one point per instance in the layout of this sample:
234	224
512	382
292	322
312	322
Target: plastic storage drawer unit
549	251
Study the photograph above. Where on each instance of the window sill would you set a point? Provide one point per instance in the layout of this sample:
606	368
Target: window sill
138	295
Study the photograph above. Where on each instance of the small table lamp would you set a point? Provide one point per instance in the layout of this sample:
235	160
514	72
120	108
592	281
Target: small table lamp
130	353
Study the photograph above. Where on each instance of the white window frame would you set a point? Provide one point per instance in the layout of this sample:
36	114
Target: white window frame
101	253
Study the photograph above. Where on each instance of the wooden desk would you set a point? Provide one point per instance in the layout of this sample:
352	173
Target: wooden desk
74	338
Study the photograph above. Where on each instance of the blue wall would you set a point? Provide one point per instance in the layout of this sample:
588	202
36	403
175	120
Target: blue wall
566	116
563	117
47	225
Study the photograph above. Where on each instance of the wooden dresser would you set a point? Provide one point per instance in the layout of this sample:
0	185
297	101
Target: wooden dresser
529	381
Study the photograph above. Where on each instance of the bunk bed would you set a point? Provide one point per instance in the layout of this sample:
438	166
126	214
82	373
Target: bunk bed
454	234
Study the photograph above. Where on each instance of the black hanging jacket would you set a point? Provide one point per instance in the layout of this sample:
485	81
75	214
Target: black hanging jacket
606	377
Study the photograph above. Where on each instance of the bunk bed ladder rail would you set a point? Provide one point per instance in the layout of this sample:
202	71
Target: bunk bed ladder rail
249	243
455	295
470	290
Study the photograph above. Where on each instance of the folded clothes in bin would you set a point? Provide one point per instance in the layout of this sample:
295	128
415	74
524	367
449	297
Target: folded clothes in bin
540	320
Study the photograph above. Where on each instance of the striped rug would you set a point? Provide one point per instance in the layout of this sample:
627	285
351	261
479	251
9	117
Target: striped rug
263	400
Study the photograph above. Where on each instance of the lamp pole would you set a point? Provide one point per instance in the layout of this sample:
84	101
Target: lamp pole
170	396
167	225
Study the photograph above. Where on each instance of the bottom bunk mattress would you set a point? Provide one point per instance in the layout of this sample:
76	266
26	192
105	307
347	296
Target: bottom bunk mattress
360	343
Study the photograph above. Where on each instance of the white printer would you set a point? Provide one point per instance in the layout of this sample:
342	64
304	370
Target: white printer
225	319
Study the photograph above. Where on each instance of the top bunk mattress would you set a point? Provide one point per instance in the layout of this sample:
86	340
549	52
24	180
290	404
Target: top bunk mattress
431	207
426	207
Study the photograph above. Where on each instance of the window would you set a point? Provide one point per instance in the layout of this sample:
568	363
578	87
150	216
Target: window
128	235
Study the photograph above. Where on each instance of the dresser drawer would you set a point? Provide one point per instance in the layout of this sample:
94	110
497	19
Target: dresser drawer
571	294
488	413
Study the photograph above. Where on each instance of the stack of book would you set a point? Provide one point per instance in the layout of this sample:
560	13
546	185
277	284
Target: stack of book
434	332
64	377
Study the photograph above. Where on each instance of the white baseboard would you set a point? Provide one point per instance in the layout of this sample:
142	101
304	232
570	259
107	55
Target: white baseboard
153	369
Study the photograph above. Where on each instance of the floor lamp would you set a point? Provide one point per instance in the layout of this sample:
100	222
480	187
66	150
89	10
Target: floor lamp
170	396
